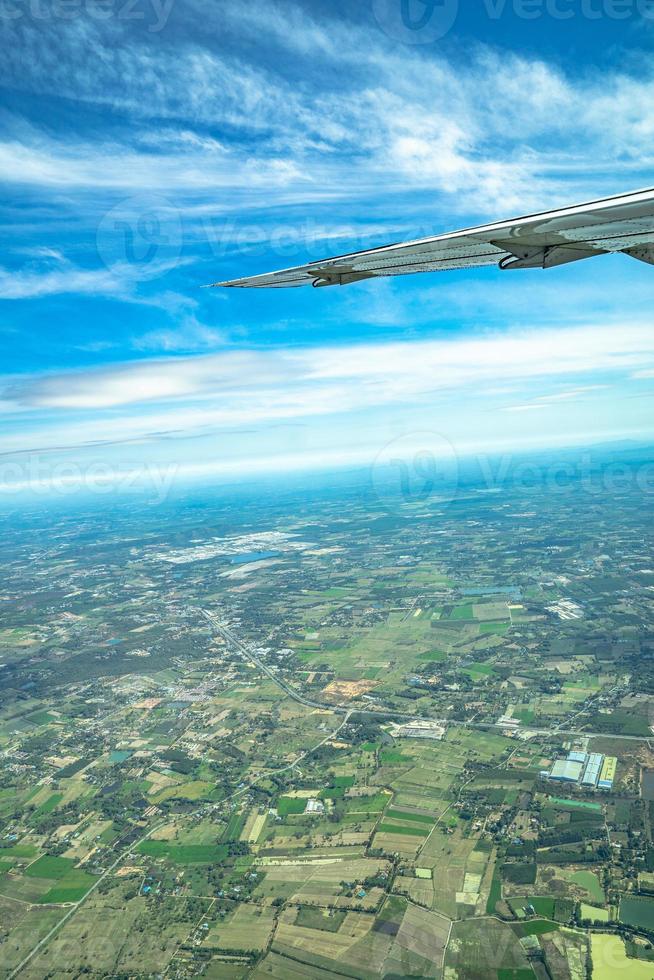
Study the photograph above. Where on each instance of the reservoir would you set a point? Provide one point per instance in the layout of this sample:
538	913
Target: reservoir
250	556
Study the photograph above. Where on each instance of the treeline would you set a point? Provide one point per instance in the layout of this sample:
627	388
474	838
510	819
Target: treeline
519	873
571	834
571	856
179	762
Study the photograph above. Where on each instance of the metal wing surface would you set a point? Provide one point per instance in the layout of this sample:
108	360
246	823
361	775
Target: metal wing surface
623	223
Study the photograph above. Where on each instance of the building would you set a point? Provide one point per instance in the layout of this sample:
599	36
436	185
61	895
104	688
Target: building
314	806
592	770
607	774
419	729
565	771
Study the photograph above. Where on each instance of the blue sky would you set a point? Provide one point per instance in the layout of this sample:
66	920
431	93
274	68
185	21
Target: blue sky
150	148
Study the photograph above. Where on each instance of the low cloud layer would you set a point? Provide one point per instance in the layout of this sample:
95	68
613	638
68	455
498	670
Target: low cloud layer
246	387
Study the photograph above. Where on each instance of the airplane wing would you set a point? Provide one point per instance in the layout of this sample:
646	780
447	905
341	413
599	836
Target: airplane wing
539	241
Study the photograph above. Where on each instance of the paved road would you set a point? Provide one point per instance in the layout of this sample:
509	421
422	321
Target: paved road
247	654
148	833
76	907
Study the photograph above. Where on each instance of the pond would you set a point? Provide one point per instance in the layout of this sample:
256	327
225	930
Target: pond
248	557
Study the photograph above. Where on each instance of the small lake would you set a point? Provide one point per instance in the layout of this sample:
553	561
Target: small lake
251	556
485	590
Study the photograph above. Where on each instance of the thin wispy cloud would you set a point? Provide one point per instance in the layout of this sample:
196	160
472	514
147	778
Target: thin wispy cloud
245	387
380	113
143	163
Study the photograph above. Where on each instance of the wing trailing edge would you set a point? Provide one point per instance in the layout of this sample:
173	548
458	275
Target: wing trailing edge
623	223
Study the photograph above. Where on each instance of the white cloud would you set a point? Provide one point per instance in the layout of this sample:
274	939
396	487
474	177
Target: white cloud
240	387
340	111
189	336
333	121
572	393
531	407
119	280
32	284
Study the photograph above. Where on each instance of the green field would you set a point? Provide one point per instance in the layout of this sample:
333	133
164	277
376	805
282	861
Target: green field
610	960
543	905
184	853
72	888
593	914
388	828
637	912
589	881
576	804
322	919
485	948
291	804
50	867
535	927
234	827
495	893
50	804
417	817
41	718
466	612
19	851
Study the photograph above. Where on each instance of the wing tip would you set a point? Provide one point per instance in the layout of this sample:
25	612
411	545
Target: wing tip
227	284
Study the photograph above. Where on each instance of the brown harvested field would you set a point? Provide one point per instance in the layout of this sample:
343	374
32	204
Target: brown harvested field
425	934
280	968
354	950
339	691
419	890
407	846
324	869
328	896
329	944
250	927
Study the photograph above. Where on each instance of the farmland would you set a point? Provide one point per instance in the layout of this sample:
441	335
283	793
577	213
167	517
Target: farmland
335	761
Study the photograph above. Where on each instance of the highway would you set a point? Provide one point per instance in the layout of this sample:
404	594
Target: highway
248	655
